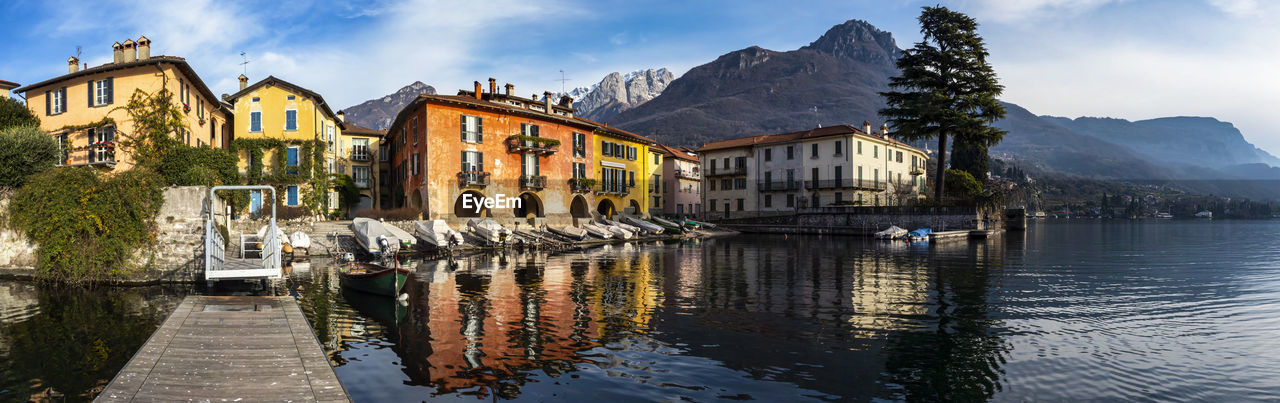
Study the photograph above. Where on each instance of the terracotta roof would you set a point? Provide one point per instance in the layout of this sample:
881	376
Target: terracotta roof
516	110
276	81
676	153
179	62
361	130
8	84
837	130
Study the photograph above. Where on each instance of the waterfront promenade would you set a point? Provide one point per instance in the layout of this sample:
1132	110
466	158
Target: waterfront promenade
229	349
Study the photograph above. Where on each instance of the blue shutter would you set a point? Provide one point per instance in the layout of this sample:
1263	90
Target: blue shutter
293	156
293	196
291	120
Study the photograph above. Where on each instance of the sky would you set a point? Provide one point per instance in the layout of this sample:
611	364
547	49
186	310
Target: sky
1113	58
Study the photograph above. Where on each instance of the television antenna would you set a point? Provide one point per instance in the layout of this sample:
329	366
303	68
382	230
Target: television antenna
245	63
77	52
562	80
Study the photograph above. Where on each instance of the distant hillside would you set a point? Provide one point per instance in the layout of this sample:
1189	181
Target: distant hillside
1204	141
378	113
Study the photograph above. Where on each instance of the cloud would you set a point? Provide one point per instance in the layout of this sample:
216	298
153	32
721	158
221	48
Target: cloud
618	39
1012	11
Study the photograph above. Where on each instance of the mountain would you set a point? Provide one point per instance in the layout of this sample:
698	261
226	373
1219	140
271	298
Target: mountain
378	113
616	93
1207	141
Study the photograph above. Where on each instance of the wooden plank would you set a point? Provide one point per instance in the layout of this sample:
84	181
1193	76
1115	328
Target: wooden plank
229	348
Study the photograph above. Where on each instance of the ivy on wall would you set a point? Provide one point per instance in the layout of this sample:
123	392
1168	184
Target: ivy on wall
310	169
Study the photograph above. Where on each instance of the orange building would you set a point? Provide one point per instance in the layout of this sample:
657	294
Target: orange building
448	152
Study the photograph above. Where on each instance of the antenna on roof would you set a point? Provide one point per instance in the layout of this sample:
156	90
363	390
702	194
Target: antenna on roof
245	63
77	52
562	80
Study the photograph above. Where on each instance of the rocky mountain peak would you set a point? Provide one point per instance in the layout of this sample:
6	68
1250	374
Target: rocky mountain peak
378	113
859	40
617	92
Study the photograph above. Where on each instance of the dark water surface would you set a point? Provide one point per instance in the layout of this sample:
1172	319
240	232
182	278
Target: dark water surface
1069	310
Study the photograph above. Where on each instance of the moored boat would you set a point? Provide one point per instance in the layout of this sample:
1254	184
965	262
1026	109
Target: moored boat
300	240
690	223
597	231
437	233
573	233
630	228
369	231
373	278
668	226
406	239
920	234
618	231
489	230
893	232
643	225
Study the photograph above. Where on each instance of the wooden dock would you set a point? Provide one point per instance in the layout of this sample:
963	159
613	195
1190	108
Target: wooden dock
230	349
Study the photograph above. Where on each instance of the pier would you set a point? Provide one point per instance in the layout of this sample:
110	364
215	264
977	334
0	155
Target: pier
229	349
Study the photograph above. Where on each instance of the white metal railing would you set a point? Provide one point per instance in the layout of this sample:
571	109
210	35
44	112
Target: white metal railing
271	248
215	257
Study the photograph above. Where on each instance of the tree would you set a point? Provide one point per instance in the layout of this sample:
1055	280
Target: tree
14	113
25	150
946	88
348	193
962	185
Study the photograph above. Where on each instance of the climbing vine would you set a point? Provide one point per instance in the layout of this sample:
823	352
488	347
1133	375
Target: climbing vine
310	169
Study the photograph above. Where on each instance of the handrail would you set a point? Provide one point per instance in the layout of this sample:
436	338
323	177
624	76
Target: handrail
215	257
270	245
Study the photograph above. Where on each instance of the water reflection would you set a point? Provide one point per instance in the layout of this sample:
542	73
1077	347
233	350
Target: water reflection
746	317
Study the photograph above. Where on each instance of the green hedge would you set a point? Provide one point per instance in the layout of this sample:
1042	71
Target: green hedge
25	150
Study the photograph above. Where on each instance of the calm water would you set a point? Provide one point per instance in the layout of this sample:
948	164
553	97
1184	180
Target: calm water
1070	310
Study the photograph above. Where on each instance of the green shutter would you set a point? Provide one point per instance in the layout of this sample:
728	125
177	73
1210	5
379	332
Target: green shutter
111	90
463	124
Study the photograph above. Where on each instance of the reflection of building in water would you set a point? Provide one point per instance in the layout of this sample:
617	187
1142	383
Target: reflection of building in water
888	294
627	291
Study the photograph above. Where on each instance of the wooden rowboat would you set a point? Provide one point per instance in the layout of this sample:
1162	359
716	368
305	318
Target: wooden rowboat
373	278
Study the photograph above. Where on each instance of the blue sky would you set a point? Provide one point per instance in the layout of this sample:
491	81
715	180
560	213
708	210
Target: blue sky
1128	59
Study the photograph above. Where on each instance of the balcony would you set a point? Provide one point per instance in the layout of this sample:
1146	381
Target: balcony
615	189
846	184
688	174
473	179
581	185
528	144
362	183
361	154
533	182
778	186
917	171
740	170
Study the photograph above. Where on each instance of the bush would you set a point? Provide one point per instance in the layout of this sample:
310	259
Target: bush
25	150
199	166
400	214
87	225
961	184
14	113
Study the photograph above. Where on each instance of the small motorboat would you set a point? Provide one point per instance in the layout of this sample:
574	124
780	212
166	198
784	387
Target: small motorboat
701	224
893	232
406	239
668	225
1164	216
437	233
573	233
597	231
920	234
489	230
618	231
371	235
373	278
690	223
644	225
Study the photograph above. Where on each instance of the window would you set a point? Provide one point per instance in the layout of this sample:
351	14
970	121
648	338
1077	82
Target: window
579	170
791	176
726	163
814	154
256	99
55	101
768	154
859	148
839	197
899	156
414	129
291	160
768	200
724	184
632	181
713	185
255	122
291	119
742	162
333	169
791	152
100	92
875	151
713	204
360	149
100	140
839	147
472	129
472	161
791	200
814	176
530	130
290	97
292	197
740	204
740	183
631	153
360	175
413	162
62	146
579	144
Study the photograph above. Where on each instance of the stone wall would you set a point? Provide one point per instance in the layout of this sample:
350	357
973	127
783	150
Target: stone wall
866	220
16	251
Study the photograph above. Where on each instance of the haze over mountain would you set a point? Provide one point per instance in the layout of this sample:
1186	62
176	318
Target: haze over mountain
378	113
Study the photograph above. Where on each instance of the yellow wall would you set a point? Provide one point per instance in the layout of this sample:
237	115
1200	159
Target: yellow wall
313	122
642	166
4	92
125	82
344	153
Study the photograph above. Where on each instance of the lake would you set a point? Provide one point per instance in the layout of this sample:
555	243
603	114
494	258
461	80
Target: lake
1068	310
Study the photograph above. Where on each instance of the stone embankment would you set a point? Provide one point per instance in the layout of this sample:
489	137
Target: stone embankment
865	221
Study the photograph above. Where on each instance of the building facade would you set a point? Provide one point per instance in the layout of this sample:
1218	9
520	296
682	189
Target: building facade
827	166
5	87
681	182
357	150
625	170
300	120
84	110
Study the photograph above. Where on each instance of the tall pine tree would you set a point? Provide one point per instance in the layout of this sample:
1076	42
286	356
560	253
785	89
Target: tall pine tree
947	89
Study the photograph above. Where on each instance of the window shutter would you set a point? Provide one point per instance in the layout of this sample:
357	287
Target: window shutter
111	90
92	151
91	94
480	164
464	162
64	99
48	103
462	122
479	129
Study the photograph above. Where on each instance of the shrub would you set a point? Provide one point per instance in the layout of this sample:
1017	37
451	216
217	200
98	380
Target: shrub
400	214
14	113
961	184
87	225
199	166
25	150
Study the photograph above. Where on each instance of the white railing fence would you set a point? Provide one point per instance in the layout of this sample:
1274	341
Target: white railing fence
215	256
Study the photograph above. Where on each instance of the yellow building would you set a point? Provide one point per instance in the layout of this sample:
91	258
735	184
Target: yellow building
296	121
358	156
83	108
5	87
623	169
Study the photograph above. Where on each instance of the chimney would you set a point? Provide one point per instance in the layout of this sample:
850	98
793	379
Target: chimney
884	129
866	127
144	48
477	90
342	116
244	82
73	65
546	98
130	51
118	51
493	86
511	89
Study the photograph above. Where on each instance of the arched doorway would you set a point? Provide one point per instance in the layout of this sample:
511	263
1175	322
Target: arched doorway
529	204
606	208
473	207
578	208
633	207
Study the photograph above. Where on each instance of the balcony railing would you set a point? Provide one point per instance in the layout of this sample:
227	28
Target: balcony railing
580	185
618	189
740	170
688	174
917	170
845	184
473	179
778	186
359	153
533	182
523	144
361	183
